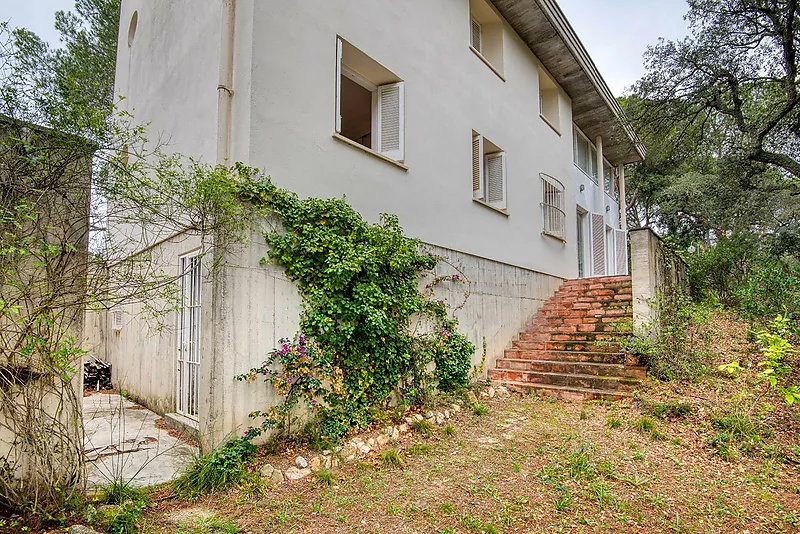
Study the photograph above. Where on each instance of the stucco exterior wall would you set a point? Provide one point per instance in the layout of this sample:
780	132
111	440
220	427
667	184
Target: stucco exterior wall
284	112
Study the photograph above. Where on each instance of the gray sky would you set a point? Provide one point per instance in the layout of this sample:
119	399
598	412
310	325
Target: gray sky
615	32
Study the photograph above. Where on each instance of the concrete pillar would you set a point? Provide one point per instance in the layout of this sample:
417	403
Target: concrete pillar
623	216
601	178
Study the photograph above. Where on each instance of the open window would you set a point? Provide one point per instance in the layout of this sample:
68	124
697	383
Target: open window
486	34
549	106
584	155
370	103
488	172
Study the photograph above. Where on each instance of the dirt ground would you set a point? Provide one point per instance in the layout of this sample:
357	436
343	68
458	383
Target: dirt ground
532	464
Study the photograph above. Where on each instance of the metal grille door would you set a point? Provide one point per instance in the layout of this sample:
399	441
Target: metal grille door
188	380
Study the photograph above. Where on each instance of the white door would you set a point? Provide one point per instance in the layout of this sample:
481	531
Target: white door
188	376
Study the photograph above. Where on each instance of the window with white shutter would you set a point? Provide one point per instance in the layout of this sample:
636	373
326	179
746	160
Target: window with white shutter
476	39
370	103
117	319
621	253
553	207
598	244
487	34
488	172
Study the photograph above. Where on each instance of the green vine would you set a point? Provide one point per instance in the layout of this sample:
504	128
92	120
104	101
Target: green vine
361	308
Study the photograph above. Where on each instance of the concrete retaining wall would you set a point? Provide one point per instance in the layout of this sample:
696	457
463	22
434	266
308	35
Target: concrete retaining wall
654	271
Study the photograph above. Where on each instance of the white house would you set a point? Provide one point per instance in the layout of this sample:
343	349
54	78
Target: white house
395	105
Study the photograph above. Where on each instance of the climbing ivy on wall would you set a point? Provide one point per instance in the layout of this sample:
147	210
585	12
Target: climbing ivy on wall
361	305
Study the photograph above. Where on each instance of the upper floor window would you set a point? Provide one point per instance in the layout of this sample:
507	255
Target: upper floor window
486	34
549	104
610	179
584	154
370	103
488	172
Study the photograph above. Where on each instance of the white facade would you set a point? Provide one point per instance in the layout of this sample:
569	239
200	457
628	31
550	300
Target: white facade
288	90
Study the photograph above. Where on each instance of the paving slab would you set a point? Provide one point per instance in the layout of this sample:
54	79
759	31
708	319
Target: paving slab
124	442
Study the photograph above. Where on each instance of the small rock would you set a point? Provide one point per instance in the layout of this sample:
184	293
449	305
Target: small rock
447	414
418	417
326	452
395	435
293	473
389	430
364	449
409	420
316	463
371	443
503	391
456	408
403	428
382	440
267	470
80	529
430	415
301	462
491	392
471	397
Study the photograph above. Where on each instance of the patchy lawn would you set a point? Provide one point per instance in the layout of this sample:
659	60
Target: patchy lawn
653	464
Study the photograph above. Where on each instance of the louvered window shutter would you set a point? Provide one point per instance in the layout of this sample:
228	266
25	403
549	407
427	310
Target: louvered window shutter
496	180
476	37
598	245
338	86
621	253
477	167
391	121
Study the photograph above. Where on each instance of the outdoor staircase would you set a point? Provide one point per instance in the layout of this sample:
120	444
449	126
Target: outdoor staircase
571	349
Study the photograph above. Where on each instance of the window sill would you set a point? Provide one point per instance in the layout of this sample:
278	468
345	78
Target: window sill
550	124
487	205
486	61
554	236
345	140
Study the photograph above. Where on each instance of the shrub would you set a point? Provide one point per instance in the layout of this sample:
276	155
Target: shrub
479	409
769	291
613	422
674	346
325	477
422	426
221	468
736	430
391	458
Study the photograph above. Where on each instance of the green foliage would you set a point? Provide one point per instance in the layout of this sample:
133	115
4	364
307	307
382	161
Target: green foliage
769	290
210	525
359	283
614	422
717	272
326	477
121	492
418	449
221	468
449	431
479	409
644	425
736	430
674	346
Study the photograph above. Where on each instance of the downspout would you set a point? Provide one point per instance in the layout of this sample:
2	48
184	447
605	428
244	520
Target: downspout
225	85
623	203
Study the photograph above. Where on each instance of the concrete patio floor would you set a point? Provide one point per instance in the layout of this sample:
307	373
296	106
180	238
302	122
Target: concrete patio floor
124	443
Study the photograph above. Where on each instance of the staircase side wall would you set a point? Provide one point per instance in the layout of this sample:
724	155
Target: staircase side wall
502	300
655	270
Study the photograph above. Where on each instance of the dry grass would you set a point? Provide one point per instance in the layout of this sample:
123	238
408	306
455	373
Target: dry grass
533	465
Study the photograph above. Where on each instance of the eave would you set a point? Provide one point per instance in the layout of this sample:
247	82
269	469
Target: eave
543	27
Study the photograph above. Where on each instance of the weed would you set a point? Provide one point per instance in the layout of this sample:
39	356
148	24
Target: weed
671	409
422	426
447	508
325	477
120	493
601	492
736	431
210	526
613	422
564	501
391	458
479	409
222	468
644	425
417	449
449	431
638	456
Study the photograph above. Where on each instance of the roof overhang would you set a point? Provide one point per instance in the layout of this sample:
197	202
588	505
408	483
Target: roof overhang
543	27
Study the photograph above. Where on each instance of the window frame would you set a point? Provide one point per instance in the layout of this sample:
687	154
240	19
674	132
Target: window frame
481	195
553	214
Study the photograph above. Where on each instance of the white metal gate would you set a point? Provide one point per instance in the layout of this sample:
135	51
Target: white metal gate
188	376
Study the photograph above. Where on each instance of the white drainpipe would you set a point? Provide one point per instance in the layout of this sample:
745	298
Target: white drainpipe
600	196
623	214
225	86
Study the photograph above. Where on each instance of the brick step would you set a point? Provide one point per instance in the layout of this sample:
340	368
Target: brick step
574	346
562	392
574	336
608	383
580	368
565	313
596	327
610	280
569	356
